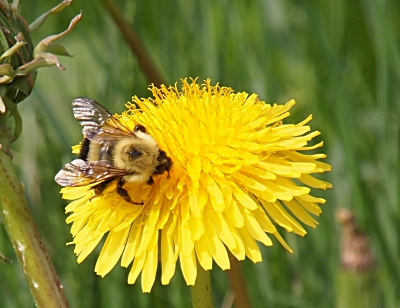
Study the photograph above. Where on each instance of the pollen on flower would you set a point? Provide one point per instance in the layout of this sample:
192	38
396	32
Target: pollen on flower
237	177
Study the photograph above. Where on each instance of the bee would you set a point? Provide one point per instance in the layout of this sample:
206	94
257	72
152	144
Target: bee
110	151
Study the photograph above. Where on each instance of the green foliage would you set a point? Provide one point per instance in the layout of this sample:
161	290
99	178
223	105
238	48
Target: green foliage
339	59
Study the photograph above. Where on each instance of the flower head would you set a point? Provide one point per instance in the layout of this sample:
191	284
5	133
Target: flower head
237	175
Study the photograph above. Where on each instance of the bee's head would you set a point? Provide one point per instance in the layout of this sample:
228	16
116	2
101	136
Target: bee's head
164	163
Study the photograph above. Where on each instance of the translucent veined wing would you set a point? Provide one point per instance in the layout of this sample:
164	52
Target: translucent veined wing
98	124
81	173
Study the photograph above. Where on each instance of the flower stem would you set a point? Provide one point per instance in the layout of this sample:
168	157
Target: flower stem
146	64
238	283
21	229
201	291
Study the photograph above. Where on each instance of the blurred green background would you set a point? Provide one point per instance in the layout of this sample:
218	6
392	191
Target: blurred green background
339	59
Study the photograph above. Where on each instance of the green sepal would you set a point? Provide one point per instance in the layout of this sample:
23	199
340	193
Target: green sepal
58	50
12	50
3	90
6	70
45	43
41	60
41	19
24	85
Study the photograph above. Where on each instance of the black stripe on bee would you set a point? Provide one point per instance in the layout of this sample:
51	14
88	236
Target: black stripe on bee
84	152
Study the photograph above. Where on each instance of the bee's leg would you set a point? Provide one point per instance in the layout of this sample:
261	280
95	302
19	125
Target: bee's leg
98	189
150	181
123	193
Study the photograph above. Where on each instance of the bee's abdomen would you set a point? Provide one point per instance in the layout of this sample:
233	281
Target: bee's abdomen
84	152
100	152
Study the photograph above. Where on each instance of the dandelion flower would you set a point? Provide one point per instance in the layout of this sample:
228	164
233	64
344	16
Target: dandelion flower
237	176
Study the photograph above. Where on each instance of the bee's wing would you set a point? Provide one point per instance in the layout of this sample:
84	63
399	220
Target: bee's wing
98	124
81	173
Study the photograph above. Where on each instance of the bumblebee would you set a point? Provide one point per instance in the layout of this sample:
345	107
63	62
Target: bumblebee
110	151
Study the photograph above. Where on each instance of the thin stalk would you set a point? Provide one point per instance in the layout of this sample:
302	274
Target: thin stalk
21	229
143	58
238	284
202	291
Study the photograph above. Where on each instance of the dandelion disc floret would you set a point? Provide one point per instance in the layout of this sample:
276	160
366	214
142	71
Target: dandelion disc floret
237	176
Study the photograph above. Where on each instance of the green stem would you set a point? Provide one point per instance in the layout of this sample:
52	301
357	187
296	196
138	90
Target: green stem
21	229
202	291
12	108
357	289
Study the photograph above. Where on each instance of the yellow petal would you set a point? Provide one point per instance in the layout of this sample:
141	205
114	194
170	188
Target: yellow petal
149	269
111	251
